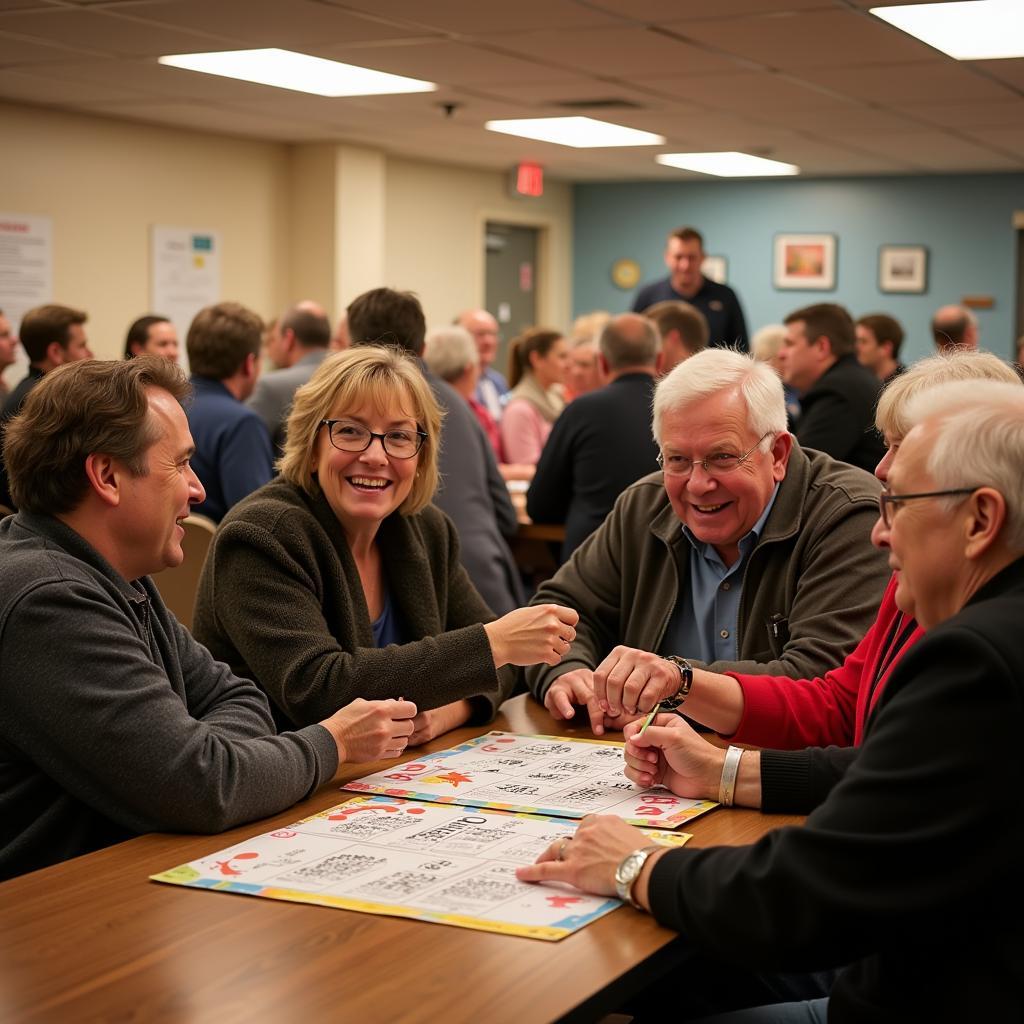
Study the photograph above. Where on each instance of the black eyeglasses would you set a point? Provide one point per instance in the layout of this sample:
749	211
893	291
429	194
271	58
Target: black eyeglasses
887	498
716	464
349	436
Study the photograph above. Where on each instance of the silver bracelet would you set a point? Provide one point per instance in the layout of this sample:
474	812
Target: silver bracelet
730	769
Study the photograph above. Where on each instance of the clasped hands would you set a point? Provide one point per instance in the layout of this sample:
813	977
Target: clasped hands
628	683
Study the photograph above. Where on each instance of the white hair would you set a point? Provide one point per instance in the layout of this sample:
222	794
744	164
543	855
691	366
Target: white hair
449	350
948	366
979	442
719	369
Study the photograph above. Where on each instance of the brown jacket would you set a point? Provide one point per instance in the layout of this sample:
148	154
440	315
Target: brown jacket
281	602
811	586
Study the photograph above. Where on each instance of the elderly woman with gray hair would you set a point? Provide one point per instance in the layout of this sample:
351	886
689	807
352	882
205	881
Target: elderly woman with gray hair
907	876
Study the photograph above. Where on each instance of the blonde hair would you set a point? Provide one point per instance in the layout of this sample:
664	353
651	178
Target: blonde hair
374	374
951	365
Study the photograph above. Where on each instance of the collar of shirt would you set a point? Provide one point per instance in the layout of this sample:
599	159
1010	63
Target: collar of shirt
746	544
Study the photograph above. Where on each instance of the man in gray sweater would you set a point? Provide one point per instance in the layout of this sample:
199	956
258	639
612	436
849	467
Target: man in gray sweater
113	720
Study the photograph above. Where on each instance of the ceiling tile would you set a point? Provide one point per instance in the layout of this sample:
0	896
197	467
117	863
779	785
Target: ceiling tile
289	25
932	151
1009	139
795	41
744	93
38	88
105	32
462	18
616	52
853	118
909	83
16	51
663	11
966	116
1009	71
450	63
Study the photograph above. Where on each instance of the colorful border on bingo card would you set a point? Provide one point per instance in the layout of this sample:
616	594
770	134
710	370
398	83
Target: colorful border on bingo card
671	822
187	876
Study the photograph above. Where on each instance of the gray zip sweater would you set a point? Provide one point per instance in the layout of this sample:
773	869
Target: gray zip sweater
114	721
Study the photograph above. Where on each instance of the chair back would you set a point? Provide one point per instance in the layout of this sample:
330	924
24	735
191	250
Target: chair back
178	586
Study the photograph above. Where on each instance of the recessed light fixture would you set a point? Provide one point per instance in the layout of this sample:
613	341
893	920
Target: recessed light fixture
727	165
579	132
286	69
972	30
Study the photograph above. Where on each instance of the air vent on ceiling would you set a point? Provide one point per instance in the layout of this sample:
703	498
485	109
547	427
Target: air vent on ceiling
604	104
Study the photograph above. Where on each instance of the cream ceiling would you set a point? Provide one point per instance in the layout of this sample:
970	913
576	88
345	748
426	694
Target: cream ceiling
819	83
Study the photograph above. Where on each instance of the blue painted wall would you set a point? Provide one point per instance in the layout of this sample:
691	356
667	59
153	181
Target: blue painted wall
966	222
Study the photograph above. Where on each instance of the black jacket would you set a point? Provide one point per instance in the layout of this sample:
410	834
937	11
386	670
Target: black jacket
910	871
838	415
600	445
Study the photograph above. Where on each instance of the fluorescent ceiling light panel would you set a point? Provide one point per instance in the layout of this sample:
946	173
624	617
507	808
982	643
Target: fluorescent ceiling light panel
285	69
727	165
972	30
578	132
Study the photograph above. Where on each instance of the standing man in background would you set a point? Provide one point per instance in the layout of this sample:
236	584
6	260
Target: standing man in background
684	254
492	387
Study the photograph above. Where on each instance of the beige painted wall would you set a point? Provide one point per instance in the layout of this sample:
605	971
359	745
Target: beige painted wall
434	237
281	211
104	182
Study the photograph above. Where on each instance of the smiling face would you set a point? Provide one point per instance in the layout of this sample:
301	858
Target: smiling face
720	510
484	329
154	504
363	488
162	340
683	257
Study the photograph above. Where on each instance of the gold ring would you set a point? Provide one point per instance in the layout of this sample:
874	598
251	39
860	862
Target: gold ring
561	848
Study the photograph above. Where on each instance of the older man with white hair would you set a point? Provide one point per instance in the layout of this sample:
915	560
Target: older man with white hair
908	873
746	553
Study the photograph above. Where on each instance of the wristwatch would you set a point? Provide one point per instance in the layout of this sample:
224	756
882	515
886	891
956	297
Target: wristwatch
685	682
628	872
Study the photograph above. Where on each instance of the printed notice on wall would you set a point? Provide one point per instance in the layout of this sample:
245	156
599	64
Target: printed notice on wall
26	272
185	266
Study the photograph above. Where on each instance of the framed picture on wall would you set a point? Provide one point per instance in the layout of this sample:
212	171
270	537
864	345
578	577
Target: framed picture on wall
805	262
715	268
903	268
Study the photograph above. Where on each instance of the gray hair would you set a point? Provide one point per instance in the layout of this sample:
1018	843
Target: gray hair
948	366
629	340
979	442
449	351
718	369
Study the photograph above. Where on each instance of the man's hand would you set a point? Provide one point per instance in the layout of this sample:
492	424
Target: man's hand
428	725
576	689
633	681
590	858
371	730
671	754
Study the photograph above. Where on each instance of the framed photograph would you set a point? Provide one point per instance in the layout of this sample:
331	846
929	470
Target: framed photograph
715	268
903	268
805	262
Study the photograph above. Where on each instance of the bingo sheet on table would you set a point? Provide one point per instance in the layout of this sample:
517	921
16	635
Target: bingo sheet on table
401	858
565	778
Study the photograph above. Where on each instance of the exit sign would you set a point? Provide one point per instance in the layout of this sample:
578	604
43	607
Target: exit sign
527	180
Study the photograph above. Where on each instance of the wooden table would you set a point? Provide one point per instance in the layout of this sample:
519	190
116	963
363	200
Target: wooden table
93	939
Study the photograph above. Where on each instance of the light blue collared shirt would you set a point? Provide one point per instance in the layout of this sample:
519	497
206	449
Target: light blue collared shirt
703	622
